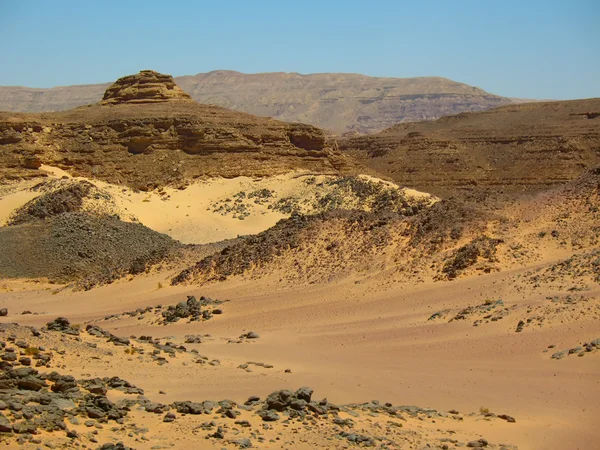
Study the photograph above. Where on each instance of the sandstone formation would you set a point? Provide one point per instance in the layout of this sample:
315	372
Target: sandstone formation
517	148
337	102
146	87
146	133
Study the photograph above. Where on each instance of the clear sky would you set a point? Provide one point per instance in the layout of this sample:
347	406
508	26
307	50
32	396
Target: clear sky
528	48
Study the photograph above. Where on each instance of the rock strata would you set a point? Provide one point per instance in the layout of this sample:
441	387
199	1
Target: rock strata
147	133
147	86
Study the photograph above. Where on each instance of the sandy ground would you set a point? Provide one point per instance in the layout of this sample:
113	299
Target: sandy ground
354	340
192	215
353	343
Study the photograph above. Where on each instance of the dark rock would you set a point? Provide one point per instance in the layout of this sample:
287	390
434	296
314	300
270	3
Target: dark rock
249	335
242	443
188	407
117	446
31	383
268	415
65	383
193	339
3	312
304	393
25	427
95	386
95	330
119	340
9	357
251	400
507	418
62	325
5	425
219	434
478	444
279	400
359	439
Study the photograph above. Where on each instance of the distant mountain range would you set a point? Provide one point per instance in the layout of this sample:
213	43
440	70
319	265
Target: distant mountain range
339	103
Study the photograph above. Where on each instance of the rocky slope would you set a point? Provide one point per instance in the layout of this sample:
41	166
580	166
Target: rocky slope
517	148
443	241
82	248
337	102
147	133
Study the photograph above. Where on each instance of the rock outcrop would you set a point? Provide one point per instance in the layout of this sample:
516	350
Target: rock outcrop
148	134
147	86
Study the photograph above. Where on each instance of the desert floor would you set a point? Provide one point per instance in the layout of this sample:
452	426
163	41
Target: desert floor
356	341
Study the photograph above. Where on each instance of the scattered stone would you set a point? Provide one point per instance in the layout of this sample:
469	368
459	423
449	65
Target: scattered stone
190	309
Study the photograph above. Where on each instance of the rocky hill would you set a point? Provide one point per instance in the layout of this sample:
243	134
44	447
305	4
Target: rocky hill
147	133
439	241
516	148
334	101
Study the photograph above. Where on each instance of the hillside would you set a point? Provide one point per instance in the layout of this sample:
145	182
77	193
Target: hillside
148	133
515	148
436	241
336	102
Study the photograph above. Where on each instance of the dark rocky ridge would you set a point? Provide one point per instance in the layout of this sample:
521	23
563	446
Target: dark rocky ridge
80	248
68	198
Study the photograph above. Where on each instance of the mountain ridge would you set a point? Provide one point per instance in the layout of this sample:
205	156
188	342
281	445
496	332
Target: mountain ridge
337	102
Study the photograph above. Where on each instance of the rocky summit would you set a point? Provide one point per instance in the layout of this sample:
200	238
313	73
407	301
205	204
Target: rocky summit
147	86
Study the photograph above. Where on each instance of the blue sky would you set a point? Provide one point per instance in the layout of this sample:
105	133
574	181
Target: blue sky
527	48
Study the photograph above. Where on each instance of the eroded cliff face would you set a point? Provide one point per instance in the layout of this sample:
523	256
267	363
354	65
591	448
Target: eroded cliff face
518	148
147	133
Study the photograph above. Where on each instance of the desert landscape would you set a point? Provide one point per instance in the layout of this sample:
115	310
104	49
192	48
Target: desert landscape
300	225
179	275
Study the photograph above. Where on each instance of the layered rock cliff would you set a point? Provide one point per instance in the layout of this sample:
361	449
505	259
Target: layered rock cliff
147	133
517	148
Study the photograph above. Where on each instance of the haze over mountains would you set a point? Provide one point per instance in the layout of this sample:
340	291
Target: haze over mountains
335	102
